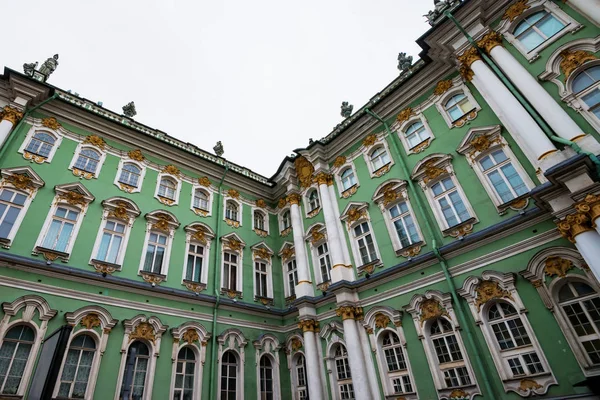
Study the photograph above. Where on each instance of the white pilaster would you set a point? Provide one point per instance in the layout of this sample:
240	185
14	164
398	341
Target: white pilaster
588	244
588	8
305	286
315	390
5	128
336	208
360	380
370	365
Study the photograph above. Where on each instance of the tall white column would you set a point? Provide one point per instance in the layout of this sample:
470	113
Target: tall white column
576	227
336	208
305	286
588	8
360	380
510	112
554	115
10	117
339	271
313	371
369	362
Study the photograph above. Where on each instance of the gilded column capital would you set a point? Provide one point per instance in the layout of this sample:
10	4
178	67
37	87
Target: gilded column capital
469	57
322	178
308	325
350	312
590	205
574	224
11	114
489	41
294	198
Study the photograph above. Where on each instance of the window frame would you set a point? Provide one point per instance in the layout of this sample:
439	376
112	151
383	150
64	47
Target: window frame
458	87
153	226
575	99
381	143
83	173
231	222
89	391
260	232
126	187
361	209
238	251
209	195
261	254
35	128
232	340
197	347
197	234
265	347
338	382
401	128
310	209
337	175
163	199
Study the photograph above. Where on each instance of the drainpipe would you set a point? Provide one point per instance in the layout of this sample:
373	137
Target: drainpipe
459	311
509	85
213	342
25	115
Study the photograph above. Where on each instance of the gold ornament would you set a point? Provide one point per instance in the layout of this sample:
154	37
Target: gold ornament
282	202
432	172
162	224
20	181
572	225
466	73
354	215
204	181
442	87
136	155
287	253
96	141
573	59
390	195
558	266
294	198
381	321
195	287
103	268
321	178
370	140
462	230
404	115
171	170
316	235
421	146
233	244
458	394
349	312
150	277
431	308
349	192
488	290
12	115
469	57
296	344
529	385
262	253
307	325
515	10
199	236
190	336
83	174
339	161
382	171
51	123
304	171
90	321
411	251
120	212
233	193
143	331
261	203
489	41
73	198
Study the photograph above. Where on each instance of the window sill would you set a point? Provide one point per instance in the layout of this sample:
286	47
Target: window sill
285	232
153	278
369	268
313	212
232	223
399	395
350	191
200	211
465	118
261	232
194	286
104	267
34	157
126	187
517	204
232	294
410	251
10	397
265	301
51	255
459	231
382	171
166	200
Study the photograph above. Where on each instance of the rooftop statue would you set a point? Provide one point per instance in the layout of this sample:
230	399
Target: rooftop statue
49	65
29	69
346	109
129	109
404	62
219	149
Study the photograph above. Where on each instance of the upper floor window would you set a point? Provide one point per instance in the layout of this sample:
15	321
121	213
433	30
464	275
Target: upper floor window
195	262
286	220
291	272
261	277
130	175
348	179
88	160
415	134
503	176
185	374
449	354
324	262
111	243
342	369
259	220
41	144
404	225
167	188
395	361
313	200
230	271
450	202
232	210
14	353
537	28
77	367
156	249
11	204
200	200
364	243
379	158
60	232
457	106
587	87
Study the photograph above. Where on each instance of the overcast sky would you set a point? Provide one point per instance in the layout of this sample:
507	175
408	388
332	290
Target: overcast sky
262	76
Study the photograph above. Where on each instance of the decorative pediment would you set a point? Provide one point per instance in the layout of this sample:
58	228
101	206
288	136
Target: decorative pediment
233	242
433	304
316	233
479	140
31	303
294	343
267	343
380	317
287	252
162	220
190	333
304	171
261	251
121	208
90	317
551	263
95	141
22	178
491	286
143	328
232	338
200	232
330	328
390	192
74	194
354	212
432	167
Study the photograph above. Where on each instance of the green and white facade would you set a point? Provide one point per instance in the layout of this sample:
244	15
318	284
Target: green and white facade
441	243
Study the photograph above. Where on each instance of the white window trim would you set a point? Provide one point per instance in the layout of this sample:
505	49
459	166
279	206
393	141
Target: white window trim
401	128
381	142
38	127
232	340
108	214
232	223
286	276
453	91
293	346
153	347
172	224
197	232
282	230
198	347
344	194
267	345
506	27
333	330
262	253
576	99
84	174
473	156
423	329
316	236
238	249
106	324
287	254
197	211
30	191
127	188
266	215
164	200
45	313
401	194
307	212
508	293
361	208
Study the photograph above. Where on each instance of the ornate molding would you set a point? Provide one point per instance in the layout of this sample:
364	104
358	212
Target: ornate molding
204	181
339	161
234	194
574	224
590	205
304	171
261	203
144	331
152	278
73	198
90	321
191	336
431	171
308	325
21	181
572	59
171	170
469	57
262	253
381	320
369	140
349	312
51	123
11	114
349	192
442	87
431	308
322	178
489	41
294	198
558	266
136	155
488	290
195	287
404	115
515	10
95	141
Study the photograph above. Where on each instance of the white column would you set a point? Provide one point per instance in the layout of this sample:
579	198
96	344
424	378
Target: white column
305	286
315	390
336	208
367	353
360	380
10	116
588	8
339	270
514	117
588	244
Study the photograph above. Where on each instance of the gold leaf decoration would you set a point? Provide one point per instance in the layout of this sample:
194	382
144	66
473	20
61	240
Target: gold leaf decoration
171	170
370	140
233	193
304	171
431	308
90	321
354	214
261	203
73	198
573	59
11	114
339	161
488	290
287	253
199	236
136	155
120	212
390	195
296	344
262	253
143	331
381	320
191	336
233	244
294	198
431	171
515	10
162	222
404	115
557	266
96	141
529	385
316	235
442	87
51	123
204	181
282	202
459	394
20	181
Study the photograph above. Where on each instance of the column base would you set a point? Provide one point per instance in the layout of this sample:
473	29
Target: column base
341	272
588	143
304	289
549	160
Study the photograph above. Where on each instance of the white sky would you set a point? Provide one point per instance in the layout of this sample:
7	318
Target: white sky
262	76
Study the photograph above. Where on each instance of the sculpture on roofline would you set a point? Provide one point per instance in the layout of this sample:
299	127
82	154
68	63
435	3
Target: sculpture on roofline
49	66
346	109
219	149
129	109
404	62
29	69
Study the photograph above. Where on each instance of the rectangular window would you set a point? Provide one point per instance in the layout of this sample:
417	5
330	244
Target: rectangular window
347	391
404	225
11	203
503	176
451	204
155	253
195	258
230	271
260	278
292	277
457	377
61	228
324	262
364	240
402	384
112	239
533	363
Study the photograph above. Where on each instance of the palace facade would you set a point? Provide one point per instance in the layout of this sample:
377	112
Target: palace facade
442	242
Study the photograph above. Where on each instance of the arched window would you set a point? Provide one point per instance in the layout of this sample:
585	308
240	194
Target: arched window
41	144
200	199
259	220
266	379
300	377
536	28
587	86
415	134
14	353
88	160
313	200
348	178
130	175
11	204
229	369
286	220
449	356
231	210
343	376
457	106
139	354
185	374
77	367
502	175
167	188
397	369
581	305
379	157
